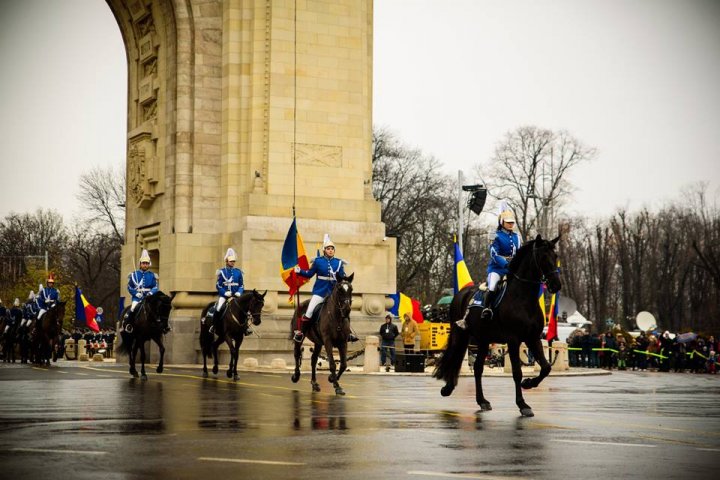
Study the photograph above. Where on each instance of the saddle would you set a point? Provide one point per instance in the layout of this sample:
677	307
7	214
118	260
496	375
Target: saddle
477	300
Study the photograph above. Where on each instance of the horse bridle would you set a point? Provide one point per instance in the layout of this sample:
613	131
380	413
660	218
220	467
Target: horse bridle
543	276
249	315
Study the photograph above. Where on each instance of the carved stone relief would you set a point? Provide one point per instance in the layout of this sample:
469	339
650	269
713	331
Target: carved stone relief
318	155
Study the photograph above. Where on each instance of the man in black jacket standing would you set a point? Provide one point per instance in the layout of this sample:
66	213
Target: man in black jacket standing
388	332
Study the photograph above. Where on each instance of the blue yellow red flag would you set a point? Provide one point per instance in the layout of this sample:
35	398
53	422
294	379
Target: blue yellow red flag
84	312
462	276
403	304
293	255
541	302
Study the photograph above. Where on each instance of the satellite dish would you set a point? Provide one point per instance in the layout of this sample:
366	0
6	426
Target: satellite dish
567	304
645	321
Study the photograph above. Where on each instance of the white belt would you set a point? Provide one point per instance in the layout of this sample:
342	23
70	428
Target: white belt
326	278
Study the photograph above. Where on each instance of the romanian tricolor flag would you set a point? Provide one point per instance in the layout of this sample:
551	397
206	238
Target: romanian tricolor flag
293	254
552	333
541	302
84	312
462	276
403	304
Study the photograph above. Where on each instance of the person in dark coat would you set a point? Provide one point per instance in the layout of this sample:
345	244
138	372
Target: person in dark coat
388	332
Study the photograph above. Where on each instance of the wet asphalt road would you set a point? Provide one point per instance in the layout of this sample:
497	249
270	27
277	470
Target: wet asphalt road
96	422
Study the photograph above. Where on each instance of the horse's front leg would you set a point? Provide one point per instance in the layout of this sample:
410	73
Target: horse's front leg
236	357
332	378
143	375
539	353
131	359
313	364
216	344
342	352
162	354
297	353
514	352
231	351
478	367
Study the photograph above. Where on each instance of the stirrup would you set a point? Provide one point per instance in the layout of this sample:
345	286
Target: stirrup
462	324
298	337
167	329
352	337
128	327
487	313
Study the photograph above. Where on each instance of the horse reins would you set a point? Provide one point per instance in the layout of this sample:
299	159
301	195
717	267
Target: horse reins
543	276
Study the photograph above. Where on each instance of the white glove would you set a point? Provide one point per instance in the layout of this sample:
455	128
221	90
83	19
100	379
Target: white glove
138	295
228	294
150	293
237	294
297	269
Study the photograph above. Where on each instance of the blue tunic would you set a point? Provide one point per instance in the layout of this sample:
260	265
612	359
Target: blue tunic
505	244
327	270
141	282
229	280
47	297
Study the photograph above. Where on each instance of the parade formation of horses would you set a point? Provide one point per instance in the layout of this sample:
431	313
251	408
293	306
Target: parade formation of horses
331	331
517	319
238	314
151	319
47	334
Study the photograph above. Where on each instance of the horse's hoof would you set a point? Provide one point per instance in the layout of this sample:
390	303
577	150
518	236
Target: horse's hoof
295	377
143	377
134	374
315	387
485	406
447	390
205	374
229	374
236	377
526	383
339	391
527	412
159	369
215	370
331	378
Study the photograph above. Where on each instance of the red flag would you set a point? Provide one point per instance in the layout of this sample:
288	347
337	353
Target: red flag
552	332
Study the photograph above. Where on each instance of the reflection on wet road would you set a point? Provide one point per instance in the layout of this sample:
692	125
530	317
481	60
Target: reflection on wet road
96	422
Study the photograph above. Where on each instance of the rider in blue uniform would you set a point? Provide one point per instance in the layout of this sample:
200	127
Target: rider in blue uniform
142	283
229	282
502	250
30	310
327	268
47	297
15	315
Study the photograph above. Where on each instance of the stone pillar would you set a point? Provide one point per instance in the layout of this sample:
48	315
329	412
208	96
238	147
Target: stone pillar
372	358
560	350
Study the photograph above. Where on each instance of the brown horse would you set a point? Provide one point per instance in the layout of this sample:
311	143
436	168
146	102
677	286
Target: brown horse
151	320
331	330
47	334
239	313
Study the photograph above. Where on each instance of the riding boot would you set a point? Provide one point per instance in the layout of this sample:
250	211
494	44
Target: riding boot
216	326
129	321
300	334
352	337
487	312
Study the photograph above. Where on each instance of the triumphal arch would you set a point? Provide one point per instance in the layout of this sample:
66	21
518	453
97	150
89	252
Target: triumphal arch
238	110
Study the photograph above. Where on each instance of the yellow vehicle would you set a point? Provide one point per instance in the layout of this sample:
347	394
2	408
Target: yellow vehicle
433	336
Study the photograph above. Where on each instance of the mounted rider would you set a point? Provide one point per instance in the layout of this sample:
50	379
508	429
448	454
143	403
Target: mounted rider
15	314
30	310
229	283
142	283
327	268
502	250
47	297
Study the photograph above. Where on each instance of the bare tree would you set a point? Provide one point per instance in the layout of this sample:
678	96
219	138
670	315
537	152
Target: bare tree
102	193
530	170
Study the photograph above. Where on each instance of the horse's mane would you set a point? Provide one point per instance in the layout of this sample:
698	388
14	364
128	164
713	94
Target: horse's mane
521	254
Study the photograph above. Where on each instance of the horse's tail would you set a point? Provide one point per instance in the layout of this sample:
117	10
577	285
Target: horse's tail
126	344
448	366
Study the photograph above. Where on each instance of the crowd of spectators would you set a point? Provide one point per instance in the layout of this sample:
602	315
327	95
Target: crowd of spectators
95	342
662	352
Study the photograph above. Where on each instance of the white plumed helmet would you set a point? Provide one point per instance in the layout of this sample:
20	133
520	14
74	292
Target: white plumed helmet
327	242
230	255
144	257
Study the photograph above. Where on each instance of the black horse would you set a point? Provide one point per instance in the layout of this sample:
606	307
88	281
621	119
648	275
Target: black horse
8	330
151	320
517	319
47	334
237	316
331	330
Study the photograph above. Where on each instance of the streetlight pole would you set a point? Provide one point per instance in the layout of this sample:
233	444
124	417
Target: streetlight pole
460	214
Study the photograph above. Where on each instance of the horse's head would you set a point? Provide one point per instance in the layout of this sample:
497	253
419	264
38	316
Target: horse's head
537	261
159	306
343	293
255	306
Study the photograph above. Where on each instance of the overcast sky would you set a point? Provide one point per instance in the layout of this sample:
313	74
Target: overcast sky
636	79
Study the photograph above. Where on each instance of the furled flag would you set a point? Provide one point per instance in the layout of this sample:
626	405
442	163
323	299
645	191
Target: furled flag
84	312
403	304
552	332
541	301
293	254
462	276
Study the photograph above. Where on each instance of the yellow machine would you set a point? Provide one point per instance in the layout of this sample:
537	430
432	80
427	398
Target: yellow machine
433	336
